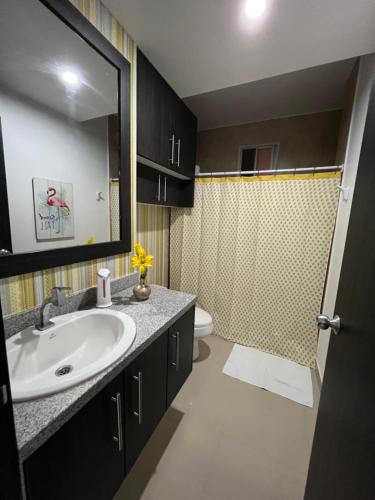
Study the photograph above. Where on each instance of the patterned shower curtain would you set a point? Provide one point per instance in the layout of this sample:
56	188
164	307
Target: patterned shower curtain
255	251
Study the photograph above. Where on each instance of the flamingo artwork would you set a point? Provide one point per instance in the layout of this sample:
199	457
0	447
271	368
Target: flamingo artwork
53	201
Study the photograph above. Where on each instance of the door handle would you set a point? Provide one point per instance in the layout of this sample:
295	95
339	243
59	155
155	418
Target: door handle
171	159
176	364
139	413
158	197
3	395
119	438
165	189
324	322
178	152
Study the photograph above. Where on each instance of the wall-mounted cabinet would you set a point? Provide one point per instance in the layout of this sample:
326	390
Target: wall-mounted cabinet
91	454
166	128
157	188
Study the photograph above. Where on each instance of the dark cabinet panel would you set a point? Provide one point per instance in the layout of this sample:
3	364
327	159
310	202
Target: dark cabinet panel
166	128
149	110
157	188
85	458
145	393
186	137
148	185
180	353
10	482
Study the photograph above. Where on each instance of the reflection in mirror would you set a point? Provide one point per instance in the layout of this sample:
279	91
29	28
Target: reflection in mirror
60	127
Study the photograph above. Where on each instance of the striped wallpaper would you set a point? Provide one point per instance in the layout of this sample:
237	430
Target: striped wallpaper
150	225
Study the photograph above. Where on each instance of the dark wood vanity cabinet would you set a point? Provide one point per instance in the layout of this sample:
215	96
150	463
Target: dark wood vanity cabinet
85	458
146	397
157	188
180	353
91	454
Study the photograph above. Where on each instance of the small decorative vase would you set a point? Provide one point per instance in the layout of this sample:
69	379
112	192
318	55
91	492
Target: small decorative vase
142	291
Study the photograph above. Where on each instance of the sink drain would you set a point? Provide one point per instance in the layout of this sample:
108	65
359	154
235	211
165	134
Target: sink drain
63	370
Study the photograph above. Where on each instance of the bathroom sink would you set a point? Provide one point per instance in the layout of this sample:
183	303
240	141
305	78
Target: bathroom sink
78	346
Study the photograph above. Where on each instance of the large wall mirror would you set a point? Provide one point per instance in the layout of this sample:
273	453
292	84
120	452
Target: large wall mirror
64	153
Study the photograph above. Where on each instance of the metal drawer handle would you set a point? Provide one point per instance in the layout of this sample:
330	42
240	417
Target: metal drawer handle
3	395
178	152
177	362
159	189
139	413
119	438
171	159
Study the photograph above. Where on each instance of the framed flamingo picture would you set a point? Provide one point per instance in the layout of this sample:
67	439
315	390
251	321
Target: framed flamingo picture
53	209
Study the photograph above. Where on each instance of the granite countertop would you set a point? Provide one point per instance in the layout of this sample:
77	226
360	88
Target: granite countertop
39	419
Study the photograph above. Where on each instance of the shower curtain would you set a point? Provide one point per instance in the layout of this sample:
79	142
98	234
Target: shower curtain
255	251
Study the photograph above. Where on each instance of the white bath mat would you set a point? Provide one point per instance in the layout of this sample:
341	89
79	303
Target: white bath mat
278	375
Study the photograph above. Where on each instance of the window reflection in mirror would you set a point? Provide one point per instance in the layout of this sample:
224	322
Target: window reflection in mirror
60	127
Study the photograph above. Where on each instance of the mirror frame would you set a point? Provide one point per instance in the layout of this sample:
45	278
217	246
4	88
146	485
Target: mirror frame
14	264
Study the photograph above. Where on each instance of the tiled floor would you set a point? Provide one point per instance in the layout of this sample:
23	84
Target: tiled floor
223	439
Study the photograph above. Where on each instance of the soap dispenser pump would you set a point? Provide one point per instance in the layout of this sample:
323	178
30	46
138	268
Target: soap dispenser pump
104	298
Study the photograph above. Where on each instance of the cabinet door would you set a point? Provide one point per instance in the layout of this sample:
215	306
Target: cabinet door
149	109
85	458
186	141
177	192
145	397
150	185
180	353
168	147
10	483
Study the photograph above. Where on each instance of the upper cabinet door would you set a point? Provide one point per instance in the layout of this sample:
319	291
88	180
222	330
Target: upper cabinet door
150	109
166	127
186	140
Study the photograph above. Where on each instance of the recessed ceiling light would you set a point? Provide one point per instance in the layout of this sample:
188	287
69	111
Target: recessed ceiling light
255	8
70	77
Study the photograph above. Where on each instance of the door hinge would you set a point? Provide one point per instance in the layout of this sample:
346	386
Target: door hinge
3	395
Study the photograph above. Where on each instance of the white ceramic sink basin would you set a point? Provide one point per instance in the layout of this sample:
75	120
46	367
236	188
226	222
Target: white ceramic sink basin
78	346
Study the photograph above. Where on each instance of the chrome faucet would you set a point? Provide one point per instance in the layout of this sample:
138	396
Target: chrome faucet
58	298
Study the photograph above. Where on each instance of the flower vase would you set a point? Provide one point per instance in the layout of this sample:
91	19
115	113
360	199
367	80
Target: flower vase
142	291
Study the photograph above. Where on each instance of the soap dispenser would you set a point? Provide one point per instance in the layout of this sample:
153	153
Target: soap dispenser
104	298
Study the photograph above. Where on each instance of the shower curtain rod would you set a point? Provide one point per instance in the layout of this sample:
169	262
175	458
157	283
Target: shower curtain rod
275	171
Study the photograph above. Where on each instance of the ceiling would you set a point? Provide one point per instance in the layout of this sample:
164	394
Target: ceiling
36	48
204	45
312	90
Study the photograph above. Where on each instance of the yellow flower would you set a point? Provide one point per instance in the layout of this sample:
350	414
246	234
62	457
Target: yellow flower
141	260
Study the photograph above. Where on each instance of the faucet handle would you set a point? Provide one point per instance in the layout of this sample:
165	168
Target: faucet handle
58	297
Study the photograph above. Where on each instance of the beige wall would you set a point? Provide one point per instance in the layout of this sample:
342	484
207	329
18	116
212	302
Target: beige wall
305	141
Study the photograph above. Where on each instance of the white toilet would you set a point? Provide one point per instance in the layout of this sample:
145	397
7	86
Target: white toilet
203	326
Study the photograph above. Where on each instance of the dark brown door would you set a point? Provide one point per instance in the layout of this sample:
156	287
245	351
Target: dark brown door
10	488
343	456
